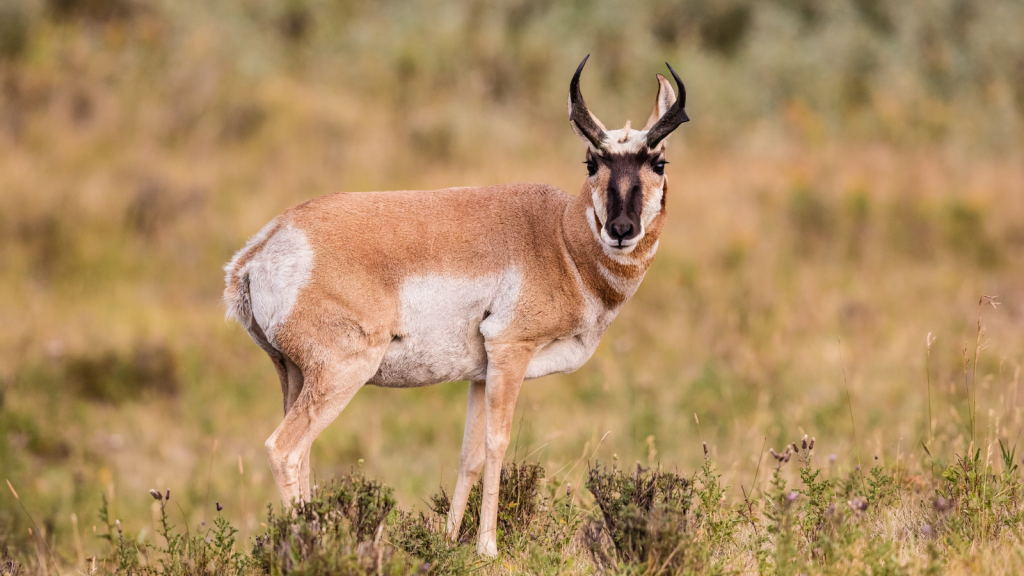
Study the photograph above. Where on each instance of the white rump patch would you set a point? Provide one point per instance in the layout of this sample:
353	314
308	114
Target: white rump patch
235	301
276	275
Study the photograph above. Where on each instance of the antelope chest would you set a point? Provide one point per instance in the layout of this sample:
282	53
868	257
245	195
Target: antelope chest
444	325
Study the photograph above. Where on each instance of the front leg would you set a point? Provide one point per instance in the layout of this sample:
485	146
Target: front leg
505	369
472	459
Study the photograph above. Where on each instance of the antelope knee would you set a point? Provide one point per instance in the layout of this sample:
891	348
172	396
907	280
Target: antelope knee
497	443
473	462
282	462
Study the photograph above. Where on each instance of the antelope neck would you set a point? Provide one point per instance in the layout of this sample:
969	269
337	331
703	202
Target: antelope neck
611	278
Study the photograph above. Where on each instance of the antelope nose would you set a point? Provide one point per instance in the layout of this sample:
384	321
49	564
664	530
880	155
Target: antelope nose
621	229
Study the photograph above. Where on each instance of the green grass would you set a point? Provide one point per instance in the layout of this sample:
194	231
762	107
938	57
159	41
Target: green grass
891	520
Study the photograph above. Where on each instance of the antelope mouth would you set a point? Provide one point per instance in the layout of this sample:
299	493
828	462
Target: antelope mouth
620	244
624	245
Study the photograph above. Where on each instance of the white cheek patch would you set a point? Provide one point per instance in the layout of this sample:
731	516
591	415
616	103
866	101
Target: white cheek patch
600	206
651	207
276	276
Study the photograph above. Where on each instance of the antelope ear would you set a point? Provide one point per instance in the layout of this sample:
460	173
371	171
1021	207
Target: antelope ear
666	98
594	134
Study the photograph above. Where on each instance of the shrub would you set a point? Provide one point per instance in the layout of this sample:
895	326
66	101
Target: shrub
338	530
648	517
14	30
517	503
115	377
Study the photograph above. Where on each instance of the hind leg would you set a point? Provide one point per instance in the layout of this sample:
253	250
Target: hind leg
327	388
295	383
291	386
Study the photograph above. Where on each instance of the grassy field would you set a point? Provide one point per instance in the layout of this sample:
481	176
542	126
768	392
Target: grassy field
849	190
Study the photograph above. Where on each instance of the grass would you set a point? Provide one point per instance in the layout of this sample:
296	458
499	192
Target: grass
645	521
850	184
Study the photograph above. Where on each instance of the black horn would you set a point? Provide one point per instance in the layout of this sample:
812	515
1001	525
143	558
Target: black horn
671	120
579	115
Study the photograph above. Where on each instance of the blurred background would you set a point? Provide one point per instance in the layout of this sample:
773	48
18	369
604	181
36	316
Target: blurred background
851	181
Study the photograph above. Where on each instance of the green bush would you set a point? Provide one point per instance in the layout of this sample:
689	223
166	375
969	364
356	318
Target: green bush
517	503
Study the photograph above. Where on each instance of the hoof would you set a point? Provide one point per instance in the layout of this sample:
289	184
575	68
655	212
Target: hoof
488	549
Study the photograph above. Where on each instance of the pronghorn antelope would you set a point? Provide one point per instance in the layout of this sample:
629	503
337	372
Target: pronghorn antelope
491	284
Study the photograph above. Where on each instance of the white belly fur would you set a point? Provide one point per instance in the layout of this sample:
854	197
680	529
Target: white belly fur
442	328
445	322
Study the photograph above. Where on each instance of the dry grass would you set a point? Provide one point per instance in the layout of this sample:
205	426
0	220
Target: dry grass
140	146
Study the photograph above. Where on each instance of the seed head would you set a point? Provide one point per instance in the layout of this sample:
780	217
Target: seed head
156	495
219	507
803	443
168	495
811	445
795	449
940	504
705	444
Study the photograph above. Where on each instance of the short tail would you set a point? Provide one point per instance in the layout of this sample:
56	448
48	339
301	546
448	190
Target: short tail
237	301
237	298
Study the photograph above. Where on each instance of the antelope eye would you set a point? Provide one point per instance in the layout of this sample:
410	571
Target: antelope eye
591	167
659	167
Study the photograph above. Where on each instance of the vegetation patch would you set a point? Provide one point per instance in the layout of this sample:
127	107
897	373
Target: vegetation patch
116	377
517	503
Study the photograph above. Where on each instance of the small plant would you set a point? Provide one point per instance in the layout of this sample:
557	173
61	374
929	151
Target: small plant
339	529
649	519
517	504
422	536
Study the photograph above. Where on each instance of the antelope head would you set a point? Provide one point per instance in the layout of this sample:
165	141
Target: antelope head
626	167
